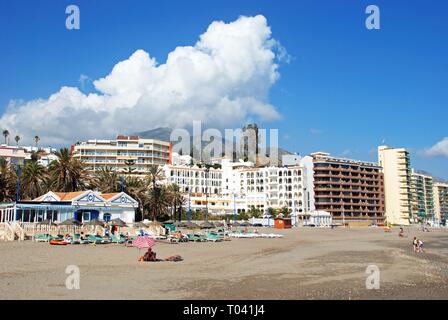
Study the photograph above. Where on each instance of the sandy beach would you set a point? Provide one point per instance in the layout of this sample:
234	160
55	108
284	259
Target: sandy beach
306	264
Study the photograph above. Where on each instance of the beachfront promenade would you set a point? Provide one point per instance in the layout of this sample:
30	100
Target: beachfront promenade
307	263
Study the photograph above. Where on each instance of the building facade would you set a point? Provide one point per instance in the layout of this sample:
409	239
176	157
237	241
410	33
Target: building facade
440	192
127	154
13	155
241	186
422	196
395	163
82	206
351	191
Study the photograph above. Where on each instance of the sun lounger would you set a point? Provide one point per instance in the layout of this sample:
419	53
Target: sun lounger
97	239
42	237
117	239
193	237
212	237
172	239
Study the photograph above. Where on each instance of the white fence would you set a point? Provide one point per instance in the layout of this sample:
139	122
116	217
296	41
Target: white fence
7	213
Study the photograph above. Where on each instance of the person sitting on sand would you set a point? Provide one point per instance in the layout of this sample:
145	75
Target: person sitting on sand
150	255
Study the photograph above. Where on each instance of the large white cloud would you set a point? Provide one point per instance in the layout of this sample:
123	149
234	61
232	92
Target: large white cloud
222	80
439	149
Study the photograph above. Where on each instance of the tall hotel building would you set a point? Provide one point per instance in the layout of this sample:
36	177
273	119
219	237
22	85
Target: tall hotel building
126	154
422	196
440	192
352	191
397	184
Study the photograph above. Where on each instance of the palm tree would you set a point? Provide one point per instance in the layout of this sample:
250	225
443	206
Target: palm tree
36	140
129	163
106	180
155	175
7	182
177	200
68	174
34	176
137	188
17	139
158	197
159	201
6	134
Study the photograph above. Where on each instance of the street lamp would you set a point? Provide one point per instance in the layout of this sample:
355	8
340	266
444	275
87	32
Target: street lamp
18	183
234	208
189	205
207	170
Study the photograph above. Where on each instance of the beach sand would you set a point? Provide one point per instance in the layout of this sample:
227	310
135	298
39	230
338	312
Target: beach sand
307	263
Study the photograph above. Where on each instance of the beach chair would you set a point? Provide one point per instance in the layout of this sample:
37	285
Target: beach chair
42	237
172	239
95	239
194	238
117	239
212	237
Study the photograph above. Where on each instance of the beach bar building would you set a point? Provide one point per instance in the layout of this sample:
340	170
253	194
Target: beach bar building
82	206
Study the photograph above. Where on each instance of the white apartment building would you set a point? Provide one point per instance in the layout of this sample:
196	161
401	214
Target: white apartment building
397	184
440	192
241	186
124	154
422	196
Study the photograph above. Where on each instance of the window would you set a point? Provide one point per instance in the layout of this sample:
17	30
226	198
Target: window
86	216
106	217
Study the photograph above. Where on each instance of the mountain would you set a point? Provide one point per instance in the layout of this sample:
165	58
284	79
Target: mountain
164	134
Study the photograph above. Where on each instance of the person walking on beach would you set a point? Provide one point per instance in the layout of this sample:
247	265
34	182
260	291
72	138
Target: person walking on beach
415	244
401	233
420	246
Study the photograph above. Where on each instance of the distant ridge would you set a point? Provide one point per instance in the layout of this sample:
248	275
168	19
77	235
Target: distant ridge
436	179
164	133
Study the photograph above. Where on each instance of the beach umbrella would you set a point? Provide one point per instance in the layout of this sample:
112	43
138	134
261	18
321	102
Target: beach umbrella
143	242
70	222
207	225
191	225
46	222
95	222
139	225
180	224
117	223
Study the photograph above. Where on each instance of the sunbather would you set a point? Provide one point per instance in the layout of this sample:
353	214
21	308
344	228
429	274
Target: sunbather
149	255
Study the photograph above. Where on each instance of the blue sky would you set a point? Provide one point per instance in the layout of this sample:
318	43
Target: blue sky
345	91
